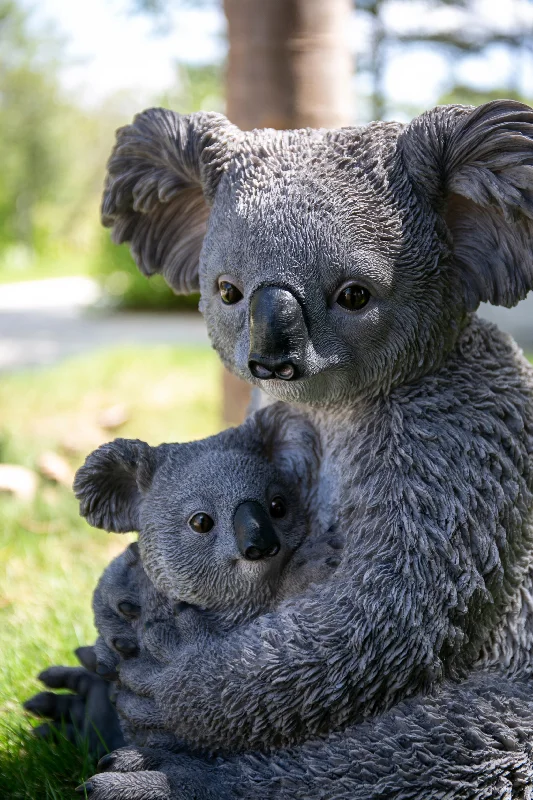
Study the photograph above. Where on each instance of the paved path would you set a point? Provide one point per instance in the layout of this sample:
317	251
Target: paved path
518	321
44	321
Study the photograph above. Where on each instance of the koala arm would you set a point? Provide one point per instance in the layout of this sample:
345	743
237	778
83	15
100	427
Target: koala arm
468	740
289	675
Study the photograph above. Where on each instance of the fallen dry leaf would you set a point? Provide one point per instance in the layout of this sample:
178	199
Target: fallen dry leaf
113	417
41	528
81	439
54	467
19	481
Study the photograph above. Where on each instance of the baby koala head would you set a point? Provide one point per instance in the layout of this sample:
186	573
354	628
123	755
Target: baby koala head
218	519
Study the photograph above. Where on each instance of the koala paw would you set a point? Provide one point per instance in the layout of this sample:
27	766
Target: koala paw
117	606
136	786
150	774
85	716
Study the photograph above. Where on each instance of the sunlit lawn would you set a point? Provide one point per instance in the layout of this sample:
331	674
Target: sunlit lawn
50	559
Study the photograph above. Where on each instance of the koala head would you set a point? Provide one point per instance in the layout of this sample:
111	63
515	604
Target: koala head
217	521
331	263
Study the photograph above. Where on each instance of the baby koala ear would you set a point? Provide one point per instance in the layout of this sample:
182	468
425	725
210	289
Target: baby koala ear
475	167
289	441
111	483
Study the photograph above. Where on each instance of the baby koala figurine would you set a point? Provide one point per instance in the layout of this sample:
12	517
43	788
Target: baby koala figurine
229	526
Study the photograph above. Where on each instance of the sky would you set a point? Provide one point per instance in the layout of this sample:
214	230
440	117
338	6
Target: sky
110	49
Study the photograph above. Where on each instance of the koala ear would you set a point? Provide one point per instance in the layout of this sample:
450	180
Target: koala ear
475	166
110	484
289	441
162	176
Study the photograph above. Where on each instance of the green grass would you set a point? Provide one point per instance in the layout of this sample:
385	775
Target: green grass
50	558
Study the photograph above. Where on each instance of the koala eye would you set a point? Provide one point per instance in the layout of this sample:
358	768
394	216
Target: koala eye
229	292
353	297
201	522
278	508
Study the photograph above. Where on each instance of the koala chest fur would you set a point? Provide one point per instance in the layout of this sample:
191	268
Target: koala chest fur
435	491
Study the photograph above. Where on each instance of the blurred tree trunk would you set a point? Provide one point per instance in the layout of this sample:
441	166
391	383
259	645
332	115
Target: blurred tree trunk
289	66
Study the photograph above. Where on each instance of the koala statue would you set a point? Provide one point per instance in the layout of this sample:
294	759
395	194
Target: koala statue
340	271
227	529
224	535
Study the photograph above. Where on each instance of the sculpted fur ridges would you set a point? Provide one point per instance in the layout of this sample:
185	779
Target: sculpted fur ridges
425	418
424	413
254	489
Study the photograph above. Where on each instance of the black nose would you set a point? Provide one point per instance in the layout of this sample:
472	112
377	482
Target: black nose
265	368
255	534
278	334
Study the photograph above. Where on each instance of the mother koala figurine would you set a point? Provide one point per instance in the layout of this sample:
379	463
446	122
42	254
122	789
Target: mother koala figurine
340	271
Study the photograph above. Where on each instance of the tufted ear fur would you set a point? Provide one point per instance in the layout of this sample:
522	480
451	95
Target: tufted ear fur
475	166
289	441
110	484
162	176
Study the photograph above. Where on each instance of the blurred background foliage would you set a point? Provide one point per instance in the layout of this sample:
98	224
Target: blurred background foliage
53	149
53	154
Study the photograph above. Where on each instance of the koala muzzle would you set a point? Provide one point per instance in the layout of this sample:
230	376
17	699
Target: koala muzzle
255	534
278	334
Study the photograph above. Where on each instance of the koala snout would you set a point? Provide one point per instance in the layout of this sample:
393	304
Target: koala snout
255	534
278	334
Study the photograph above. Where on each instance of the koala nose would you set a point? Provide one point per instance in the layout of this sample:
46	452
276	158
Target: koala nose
255	534
278	334
264	369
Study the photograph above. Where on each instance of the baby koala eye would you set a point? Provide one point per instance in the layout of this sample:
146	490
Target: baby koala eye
229	292
278	509
353	297
201	522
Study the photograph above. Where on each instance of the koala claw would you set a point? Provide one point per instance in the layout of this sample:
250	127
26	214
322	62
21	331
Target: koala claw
129	610
125	647
106	763
84	788
87	657
106	673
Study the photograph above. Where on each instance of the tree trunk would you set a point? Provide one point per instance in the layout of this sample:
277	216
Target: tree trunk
289	66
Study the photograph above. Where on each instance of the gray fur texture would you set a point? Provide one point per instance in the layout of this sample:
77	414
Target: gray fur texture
178	587
472	742
128	485
424	413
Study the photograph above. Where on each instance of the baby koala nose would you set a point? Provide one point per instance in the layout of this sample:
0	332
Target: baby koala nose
254	532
